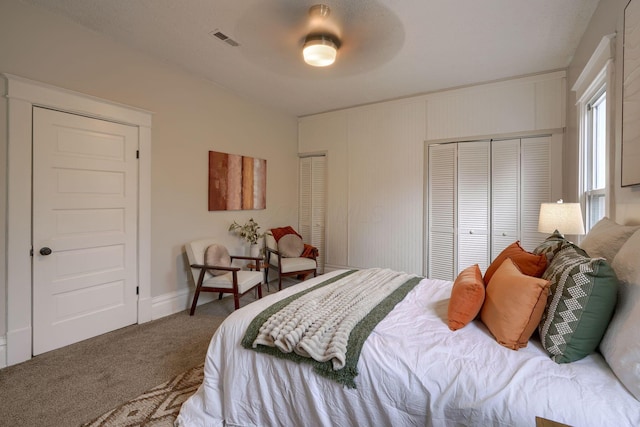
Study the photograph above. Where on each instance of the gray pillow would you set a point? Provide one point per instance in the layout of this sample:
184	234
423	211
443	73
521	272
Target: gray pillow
290	245
606	238
620	345
217	255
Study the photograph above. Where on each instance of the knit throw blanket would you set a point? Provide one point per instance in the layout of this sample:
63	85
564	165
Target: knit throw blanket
326	325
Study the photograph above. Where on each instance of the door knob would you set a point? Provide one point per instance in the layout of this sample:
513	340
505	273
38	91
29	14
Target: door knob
45	251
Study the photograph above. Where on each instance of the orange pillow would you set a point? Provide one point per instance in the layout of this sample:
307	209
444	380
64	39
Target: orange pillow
467	296
513	305
529	263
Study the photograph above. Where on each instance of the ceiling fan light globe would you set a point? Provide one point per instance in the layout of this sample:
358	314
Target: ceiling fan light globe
320	52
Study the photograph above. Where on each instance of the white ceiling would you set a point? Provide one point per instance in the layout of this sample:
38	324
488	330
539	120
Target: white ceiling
390	48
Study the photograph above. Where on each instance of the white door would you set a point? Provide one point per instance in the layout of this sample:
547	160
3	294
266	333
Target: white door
312	204
84	228
442	211
474	194
535	187
505	194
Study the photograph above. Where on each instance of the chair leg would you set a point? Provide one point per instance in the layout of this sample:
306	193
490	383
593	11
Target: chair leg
195	299
260	291
236	301
220	296
279	281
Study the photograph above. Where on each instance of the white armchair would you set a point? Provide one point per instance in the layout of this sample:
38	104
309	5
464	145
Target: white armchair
212	271
284	262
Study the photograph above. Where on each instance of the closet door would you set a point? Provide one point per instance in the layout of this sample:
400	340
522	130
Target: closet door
473	205
312	204
505	194
442	208
535	187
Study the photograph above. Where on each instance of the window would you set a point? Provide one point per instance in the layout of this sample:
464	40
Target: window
594	130
594	153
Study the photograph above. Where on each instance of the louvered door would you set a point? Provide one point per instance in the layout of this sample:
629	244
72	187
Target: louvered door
483	196
535	187
442	208
505	194
473	205
312	204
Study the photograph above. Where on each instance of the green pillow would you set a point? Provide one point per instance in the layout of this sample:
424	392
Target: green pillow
551	245
554	244
582	297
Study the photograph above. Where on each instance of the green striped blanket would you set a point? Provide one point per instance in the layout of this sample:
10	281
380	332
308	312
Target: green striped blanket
327	324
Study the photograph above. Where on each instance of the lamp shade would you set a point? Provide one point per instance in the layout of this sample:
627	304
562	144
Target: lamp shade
320	51
564	217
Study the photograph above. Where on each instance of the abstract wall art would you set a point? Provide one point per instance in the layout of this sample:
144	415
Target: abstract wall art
236	182
630	151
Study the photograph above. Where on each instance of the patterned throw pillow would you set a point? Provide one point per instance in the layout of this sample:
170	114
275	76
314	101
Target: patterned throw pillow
581	301
551	245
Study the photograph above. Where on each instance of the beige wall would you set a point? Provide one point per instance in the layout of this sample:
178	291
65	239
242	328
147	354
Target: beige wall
191	116
376	201
607	19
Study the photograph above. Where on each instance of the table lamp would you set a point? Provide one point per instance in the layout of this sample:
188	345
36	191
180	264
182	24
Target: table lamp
565	218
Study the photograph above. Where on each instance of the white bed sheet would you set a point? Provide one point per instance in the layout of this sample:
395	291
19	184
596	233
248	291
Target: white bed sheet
413	371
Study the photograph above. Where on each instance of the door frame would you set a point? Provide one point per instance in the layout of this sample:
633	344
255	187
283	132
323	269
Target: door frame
22	95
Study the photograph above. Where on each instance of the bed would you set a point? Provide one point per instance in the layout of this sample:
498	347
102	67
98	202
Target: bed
413	371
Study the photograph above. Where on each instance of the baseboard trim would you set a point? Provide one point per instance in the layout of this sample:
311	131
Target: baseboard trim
18	346
333	267
177	301
3	352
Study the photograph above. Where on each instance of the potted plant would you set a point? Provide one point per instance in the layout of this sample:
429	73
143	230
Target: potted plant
250	233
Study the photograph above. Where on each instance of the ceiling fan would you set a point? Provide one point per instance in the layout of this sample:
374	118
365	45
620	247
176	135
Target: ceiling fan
275	33
321	44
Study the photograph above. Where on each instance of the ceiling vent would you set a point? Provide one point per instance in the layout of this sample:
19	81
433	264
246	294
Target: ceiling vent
223	37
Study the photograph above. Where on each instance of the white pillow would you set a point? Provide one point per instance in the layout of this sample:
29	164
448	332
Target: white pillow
620	345
217	255
606	238
290	245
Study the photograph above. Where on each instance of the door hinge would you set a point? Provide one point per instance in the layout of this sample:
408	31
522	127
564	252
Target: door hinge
137	290
137	154
31	252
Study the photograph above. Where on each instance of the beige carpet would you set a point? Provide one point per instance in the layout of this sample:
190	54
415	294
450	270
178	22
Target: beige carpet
156	407
78	383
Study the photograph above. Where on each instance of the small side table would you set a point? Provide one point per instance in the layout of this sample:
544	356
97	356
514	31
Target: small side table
261	265
543	422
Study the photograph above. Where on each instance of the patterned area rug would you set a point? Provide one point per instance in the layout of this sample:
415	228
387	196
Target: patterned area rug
156	407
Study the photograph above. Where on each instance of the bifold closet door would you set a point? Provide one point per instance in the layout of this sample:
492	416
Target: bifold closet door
473	204
312	204
505	194
442	211
535	187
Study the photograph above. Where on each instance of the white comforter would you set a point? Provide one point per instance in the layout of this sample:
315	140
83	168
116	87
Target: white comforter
414	371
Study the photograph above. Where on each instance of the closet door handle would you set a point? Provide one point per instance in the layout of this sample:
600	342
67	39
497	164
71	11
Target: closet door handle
45	251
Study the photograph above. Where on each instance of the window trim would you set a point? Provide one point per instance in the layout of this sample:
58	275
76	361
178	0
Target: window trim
596	78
